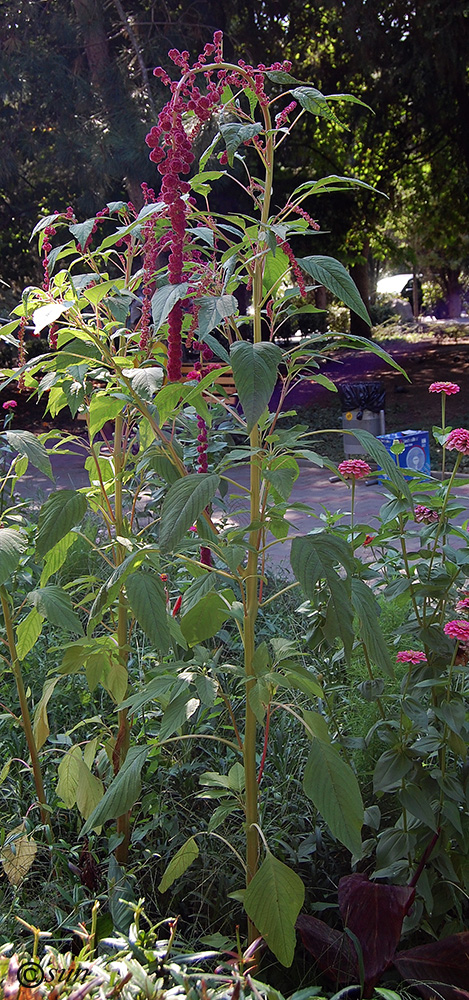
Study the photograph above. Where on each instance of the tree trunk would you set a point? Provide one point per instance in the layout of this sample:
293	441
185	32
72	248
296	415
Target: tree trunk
453	293
360	275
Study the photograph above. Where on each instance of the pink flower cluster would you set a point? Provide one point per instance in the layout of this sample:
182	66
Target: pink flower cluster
457	629
285	246
46	248
458	440
10	404
354	468
170	143
411	656
462	604
426	515
449	388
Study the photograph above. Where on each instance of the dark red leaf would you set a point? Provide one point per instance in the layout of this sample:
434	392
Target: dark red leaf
374	913
331	949
440	968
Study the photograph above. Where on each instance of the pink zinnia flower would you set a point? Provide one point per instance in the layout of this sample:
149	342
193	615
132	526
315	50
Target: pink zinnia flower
10	404
462	604
410	656
458	440
457	629
447	387
355	468
422	513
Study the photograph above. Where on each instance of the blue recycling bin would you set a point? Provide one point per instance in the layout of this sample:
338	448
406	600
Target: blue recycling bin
416	454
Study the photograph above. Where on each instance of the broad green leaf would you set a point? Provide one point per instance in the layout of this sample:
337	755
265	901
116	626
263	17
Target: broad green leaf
98	292
179	864
122	793
13	543
316	557
156	690
82	230
68	771
90	790
331	784
235	134
313	101
390	769
145	381
202	586
163	301
56	556
417	803
54	604
28	444
317	726
103	407
276	266
177	713
331	273
48	314
62	511
255	368
205	618
146	596
378	453
368	610
213	309
41	722
183	504
281	76
273	900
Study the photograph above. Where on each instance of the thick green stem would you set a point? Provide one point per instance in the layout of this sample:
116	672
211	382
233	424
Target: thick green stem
25	716
123	736
252	595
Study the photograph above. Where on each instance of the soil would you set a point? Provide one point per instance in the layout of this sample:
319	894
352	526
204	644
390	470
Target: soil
408	403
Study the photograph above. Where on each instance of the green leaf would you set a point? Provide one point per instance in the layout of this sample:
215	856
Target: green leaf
145	381
28	632
179	864
122	793
48	314
183	504
368	610
390	770
41	723
281	77
54	604
13	543
177	713
163	301
313	101
89	791
56	557
314	558
273	900
213	310
103	407
331	784
417	803
255	368
146	596
204	620
82	230
28	444
61	511
378	452
331	273
234	135
68	771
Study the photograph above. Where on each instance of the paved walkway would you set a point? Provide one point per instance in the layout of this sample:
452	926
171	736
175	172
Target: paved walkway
313	487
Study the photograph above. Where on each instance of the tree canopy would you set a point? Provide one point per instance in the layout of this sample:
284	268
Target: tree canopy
79	95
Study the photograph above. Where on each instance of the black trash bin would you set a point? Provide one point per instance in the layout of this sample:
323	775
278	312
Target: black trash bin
362	408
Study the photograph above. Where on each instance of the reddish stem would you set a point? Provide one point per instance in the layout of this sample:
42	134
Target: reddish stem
266	740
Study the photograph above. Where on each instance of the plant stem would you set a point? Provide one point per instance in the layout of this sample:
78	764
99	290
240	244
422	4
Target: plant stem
123	737
25	716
